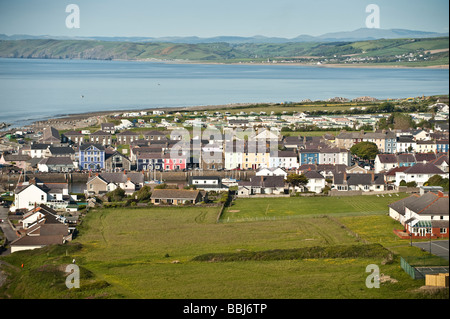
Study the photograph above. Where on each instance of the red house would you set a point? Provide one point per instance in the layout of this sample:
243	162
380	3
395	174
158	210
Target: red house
172	163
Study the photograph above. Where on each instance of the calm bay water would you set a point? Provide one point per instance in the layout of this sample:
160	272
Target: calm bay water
32	90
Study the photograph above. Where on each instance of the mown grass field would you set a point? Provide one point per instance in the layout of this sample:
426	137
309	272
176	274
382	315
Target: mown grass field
149	253
294	207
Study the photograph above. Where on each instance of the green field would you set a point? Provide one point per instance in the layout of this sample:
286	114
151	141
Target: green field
294	207
149	253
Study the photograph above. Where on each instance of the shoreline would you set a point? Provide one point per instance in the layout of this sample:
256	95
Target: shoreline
330	65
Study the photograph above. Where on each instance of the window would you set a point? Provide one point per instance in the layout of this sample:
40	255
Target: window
42	197
443	230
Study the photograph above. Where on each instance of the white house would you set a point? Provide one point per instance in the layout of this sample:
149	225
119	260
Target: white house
316	182
271	171
208	183
283	159
423	216
27	195
405	144
385	162
419	173
334	156
233	154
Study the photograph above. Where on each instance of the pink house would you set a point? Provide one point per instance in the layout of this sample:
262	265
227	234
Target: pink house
174	163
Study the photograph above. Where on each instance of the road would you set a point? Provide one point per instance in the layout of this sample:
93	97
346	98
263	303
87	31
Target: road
438	247
6	228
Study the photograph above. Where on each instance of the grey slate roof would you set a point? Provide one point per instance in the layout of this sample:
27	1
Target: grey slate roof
429	204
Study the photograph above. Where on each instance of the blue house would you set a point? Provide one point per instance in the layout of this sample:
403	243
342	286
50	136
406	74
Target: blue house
390	143
91	157
442	146
309	156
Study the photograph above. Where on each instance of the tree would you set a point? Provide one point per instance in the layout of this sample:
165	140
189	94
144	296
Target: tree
437	180
296	180
365	150
143	194
116	195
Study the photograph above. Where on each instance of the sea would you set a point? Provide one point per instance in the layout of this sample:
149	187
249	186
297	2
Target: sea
38	89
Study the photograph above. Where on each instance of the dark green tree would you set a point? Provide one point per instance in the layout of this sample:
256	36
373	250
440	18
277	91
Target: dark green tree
365	150
296	180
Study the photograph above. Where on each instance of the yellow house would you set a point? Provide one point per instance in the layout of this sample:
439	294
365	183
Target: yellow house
426	147
255	156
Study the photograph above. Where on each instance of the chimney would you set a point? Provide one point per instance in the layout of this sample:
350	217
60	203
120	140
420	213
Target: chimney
345	176
373	176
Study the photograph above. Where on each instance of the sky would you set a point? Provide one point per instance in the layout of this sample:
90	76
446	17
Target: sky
208	18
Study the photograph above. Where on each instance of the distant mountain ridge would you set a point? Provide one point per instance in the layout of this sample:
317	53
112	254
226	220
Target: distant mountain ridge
362	34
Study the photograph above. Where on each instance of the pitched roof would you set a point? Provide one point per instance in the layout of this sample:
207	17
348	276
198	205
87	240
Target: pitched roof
118	177
101	133
174	194
85	146
60	160
406	158
359	179
421	168
399	206
427	157
267	181
127	133
313	175
387	158
430	204
61	150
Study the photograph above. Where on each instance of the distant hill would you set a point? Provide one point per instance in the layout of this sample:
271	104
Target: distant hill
420	52
362	34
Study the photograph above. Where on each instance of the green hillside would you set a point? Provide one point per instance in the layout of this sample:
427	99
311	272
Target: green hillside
429	51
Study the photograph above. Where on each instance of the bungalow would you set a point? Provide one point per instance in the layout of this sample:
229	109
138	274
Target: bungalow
423	217
207	183
262	185
363	182
107	182
177	196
